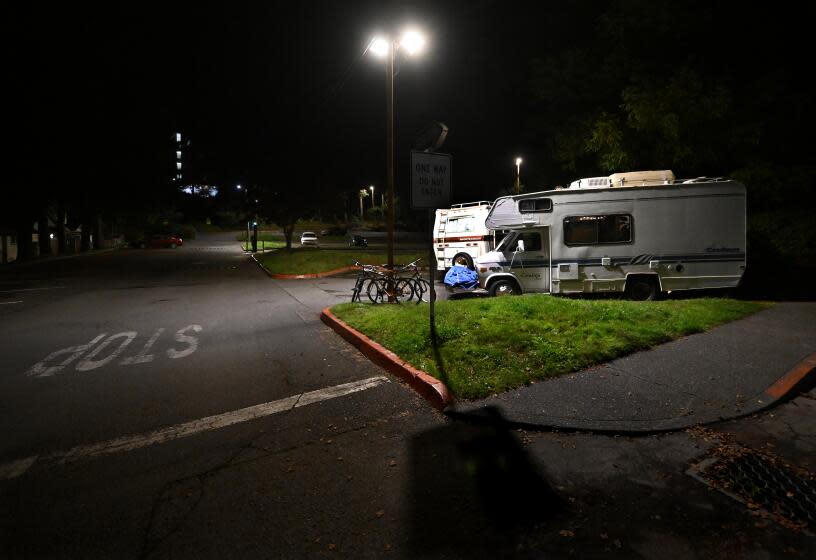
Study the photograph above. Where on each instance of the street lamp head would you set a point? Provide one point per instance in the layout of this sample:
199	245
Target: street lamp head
518	161
372	188
379	47
238	187
412	41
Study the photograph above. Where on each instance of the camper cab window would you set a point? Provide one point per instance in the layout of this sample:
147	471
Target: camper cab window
598	230
507	242
535	205
531	240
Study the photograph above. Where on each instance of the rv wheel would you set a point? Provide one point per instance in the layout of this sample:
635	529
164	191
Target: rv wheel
504	288
463	259
641	289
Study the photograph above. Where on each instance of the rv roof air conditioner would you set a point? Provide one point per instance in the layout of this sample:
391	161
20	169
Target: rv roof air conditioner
590	183
642	178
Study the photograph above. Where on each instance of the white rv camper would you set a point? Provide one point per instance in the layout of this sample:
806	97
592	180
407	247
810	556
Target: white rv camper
460	235
640	233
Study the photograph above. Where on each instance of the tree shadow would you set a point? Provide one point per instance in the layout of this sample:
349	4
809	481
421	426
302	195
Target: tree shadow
474	489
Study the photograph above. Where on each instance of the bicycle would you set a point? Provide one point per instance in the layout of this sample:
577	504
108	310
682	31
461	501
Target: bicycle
419	286
377	281
364	279
387	287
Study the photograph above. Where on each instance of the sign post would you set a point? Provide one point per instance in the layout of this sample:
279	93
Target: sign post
431	185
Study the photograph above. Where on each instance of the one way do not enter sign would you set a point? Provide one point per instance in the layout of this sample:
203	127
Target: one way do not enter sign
431	183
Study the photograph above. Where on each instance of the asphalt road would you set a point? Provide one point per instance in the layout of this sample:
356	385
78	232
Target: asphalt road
108	363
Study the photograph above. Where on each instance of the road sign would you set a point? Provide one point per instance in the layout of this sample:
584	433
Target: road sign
431	180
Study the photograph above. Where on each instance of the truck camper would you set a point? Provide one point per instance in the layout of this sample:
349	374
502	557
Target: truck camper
460	235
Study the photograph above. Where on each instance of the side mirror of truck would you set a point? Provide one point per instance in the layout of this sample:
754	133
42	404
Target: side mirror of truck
520	246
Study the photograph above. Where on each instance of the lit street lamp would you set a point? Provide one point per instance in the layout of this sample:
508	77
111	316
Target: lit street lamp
518	175
372	196
386	47
363	193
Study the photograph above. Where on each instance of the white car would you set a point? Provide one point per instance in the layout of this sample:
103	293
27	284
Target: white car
308	238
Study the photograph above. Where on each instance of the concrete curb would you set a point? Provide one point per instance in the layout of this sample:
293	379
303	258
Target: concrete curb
430	388
302	276
802	373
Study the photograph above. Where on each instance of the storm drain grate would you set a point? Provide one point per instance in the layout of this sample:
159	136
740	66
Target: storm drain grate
765	486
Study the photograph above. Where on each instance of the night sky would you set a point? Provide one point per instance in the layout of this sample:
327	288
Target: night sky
278	91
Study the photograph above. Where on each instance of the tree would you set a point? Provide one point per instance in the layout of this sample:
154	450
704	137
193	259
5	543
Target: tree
283	204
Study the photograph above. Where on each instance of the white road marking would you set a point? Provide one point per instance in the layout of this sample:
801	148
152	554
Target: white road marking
190	340
17	468
10	302
88	363
41	370
143	357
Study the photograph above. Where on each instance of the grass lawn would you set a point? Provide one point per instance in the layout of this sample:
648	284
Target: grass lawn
264	245
311	261
491	345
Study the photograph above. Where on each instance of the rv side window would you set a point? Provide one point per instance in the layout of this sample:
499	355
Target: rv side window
535	205
595	230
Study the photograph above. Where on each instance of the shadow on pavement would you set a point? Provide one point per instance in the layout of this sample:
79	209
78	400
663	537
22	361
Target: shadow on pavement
473	488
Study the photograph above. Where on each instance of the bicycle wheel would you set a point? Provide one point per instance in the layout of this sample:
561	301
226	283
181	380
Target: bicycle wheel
357	290
376	290
423	290
404	290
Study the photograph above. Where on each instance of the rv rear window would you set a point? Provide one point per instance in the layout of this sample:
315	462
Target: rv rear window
462	224
535	205
598	230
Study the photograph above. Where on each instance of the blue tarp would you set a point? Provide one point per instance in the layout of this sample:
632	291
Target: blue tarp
462	277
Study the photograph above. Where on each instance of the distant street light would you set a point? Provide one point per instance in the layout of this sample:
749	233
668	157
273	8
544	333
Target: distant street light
238	187
518	175
386	47
372	196
362	194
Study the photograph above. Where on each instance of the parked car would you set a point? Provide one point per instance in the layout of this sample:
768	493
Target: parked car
161	240
358	241
308	238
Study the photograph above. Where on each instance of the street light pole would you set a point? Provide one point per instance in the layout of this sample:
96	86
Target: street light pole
389	71
386	47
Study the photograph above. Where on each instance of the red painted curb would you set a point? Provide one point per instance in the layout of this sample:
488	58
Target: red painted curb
303	276
432	389
788	382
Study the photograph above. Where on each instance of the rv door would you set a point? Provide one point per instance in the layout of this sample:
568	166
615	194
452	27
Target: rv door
531	265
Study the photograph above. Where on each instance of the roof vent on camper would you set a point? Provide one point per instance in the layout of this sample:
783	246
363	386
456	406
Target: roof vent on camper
642	178
590	183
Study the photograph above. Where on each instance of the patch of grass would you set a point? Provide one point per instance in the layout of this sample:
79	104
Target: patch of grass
311	260
264	245
487	346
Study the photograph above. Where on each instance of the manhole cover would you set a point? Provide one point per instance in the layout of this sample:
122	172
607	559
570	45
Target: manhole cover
766	486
